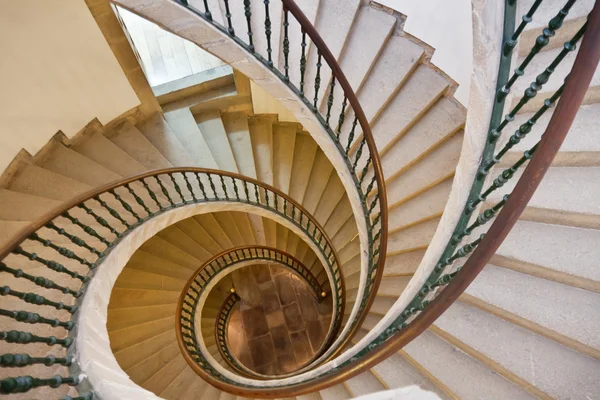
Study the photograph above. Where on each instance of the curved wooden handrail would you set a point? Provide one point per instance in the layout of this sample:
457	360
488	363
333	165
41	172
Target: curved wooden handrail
359	113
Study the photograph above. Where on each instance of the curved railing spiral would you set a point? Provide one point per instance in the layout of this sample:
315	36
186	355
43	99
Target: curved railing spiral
447	280
187	307
74	239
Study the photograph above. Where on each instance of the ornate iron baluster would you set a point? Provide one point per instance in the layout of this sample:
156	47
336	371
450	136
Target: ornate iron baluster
286	43
207	12
27	337
35	318
87	229
302	62
165	191
177	188
23	360
317	81
228	16
268	33
112	211
53	265
99	219
33	298
189	188
151	193
22	384
341	119
330	100
60	250
138	199
74	239
510	44
38	280
248	13
541	42
125	205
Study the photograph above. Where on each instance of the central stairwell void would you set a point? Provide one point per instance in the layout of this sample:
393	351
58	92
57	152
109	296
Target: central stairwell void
386	237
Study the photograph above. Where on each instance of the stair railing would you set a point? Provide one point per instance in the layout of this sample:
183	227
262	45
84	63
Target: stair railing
72	241
212	271
331	98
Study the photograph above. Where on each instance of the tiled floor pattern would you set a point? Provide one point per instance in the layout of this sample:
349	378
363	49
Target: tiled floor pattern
282	331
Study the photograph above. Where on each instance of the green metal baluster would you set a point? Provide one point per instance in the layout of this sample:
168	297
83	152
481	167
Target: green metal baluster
74	239
165	191
268	33
33	298
151	193
341	120
21	337
246	191
53	265
286	43
35	318
125	205
212	186
138	199
524	129
302	62
373	203
224	187
363	174
228	16
351	136
330	100
38	280
276	204
177	188
189	188
462	252
256	193
207	12
112	211
267	197
541	42
248	13
60	250
85	228
317	81
485	216
510	44
99	219
202	190
358	154
235	188
23	360
22	384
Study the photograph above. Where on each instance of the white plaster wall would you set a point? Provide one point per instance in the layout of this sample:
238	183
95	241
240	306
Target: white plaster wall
446	25
57	72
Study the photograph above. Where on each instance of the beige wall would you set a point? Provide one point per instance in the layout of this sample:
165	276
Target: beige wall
56	73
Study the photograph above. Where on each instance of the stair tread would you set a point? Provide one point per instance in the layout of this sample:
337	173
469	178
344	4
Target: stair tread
570	189
554	247
165	376
305	151
38	181
69	163
261	136
186	129
582	134
180	384
418	235
364	383
367	38
567	310
284	139
144	370
334	22
420	91
17	206
238	133
104	152
550	367
468	378
131	140
337	392
212	129
158	132
397	372
320	175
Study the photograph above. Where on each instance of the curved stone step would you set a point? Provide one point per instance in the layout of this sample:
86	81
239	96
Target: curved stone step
549	368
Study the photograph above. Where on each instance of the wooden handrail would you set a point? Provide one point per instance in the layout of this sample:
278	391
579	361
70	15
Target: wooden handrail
359	113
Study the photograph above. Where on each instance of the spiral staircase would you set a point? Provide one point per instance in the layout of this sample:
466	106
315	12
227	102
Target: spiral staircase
125	250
